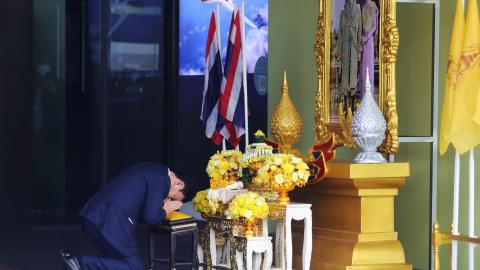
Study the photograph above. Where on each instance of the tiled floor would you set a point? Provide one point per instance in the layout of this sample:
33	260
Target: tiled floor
38	250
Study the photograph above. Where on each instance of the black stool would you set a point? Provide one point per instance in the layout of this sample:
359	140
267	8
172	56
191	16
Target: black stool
173	230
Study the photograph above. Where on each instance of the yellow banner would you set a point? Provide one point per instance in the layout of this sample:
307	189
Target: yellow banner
453	67
465	131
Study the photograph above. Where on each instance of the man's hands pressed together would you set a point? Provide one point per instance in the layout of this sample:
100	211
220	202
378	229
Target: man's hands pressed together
170	205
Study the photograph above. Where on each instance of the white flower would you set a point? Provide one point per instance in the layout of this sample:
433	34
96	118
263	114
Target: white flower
279	179
303	166
296	160
295	177
248	214
277	161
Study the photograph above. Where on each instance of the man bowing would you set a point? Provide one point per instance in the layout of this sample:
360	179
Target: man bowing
143	192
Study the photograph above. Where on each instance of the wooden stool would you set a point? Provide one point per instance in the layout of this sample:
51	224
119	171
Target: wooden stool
173	231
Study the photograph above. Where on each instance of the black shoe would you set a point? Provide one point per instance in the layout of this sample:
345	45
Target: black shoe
70	260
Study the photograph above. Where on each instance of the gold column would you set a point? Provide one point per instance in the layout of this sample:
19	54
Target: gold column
353	217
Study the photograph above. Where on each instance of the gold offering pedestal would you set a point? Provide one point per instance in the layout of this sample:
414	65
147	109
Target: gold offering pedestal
353	217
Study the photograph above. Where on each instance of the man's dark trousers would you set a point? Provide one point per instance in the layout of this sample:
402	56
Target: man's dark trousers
113	259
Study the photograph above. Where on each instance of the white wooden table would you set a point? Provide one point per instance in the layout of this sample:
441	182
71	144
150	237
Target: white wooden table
210	255
249	249
283	248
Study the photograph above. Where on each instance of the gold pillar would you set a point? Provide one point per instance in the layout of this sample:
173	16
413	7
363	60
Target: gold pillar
353	217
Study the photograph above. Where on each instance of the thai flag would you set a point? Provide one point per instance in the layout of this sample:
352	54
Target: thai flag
231	105
210	117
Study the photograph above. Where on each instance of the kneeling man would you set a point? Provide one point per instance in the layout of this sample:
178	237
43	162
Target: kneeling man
143	192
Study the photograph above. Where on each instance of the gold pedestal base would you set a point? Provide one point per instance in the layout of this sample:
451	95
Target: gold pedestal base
353	218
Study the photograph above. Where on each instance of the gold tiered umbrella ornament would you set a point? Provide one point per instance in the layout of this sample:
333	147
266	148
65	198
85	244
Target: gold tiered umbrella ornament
286	126
286	123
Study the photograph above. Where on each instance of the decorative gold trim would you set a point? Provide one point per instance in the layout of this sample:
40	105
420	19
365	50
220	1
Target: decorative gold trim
239	244
204	239
346	136
277	211
388	55
322	49
389	40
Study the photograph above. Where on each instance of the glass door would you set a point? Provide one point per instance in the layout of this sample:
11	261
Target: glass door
100	102
134	82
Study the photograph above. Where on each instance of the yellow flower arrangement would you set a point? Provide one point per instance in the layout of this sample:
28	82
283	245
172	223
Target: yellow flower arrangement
216	183
282	171
259	133
205	204
249	206
223	168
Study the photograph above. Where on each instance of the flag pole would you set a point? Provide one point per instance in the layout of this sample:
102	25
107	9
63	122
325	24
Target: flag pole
218	31
224	145
456	190
244	67
471	210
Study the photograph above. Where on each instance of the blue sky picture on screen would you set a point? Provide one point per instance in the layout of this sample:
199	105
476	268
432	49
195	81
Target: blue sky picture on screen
194	20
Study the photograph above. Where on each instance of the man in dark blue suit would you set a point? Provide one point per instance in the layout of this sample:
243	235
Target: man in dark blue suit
143	192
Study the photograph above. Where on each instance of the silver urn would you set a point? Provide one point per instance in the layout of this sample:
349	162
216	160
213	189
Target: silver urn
368	128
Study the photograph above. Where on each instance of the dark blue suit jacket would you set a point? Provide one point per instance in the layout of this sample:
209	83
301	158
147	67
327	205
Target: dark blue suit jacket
135	194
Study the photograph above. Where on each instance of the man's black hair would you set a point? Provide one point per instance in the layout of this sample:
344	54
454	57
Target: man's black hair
189	188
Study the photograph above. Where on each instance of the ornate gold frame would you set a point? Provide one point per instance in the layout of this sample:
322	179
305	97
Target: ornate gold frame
389	40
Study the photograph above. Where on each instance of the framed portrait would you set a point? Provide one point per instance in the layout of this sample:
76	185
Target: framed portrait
356	42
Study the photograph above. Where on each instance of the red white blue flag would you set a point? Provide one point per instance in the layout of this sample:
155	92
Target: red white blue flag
231	105
210	116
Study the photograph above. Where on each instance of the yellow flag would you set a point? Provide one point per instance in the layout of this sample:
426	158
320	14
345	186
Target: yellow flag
465	130
456	46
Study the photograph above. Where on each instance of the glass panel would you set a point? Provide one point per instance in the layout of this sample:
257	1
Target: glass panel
134	82
49	107
414	69
110	99
412	206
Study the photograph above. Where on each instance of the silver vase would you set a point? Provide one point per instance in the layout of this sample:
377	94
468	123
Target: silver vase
368	128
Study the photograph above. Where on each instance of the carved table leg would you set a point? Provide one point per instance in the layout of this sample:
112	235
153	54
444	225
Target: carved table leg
288	242
307	240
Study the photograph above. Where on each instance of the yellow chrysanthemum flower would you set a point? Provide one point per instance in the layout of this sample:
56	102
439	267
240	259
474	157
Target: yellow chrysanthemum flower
249	206
259	133
224	165
204	204
281	170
